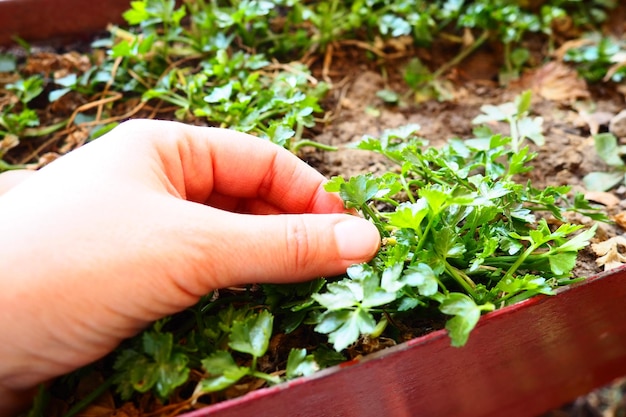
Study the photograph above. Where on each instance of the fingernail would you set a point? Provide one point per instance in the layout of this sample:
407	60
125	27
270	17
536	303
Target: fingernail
357	239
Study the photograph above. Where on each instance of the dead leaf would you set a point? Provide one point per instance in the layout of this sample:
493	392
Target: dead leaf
621	88
555	81
46	158
74	140
620	219
10	141
594	121
602	197
565	26
614	68
56	64
609	252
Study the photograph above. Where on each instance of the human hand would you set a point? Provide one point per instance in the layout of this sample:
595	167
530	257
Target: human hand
139	225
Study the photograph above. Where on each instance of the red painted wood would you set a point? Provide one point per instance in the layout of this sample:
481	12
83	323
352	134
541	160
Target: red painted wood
520	361
36	20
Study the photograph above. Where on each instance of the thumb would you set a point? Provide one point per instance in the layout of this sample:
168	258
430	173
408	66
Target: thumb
243	249
10	179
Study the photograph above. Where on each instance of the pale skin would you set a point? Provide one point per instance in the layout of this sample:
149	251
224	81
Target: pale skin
139	225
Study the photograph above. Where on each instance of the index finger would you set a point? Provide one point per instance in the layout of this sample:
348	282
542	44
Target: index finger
204	160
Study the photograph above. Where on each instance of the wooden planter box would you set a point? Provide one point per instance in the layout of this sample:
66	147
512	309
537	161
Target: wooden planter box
37	20
520	361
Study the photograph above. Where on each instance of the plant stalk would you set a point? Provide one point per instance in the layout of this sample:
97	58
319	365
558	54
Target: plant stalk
461	55
90	398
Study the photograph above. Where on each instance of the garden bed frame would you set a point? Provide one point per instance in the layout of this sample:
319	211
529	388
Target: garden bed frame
38	20
522	360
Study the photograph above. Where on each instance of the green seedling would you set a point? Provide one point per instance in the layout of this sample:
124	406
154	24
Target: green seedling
516	114
458	232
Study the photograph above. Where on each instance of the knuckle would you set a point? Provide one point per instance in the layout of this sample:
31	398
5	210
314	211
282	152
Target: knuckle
298	238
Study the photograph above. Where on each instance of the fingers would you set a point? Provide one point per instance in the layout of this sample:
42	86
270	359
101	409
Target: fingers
233	249
10	179
247	167
221	167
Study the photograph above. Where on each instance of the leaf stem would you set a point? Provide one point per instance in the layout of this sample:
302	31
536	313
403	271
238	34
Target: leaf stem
422	236
515	142
520	260
461	55
5	166
306	142
266	377
369	214
405	185
465	281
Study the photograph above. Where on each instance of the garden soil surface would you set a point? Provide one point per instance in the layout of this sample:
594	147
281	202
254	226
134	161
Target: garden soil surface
572	112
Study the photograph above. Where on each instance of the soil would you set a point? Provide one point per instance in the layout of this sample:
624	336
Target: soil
572	111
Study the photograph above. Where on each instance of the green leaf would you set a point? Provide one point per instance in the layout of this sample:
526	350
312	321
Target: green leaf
522	287
220	94
8	63
409	215
562	263
358	190
252	334
325	356
125	361
523	102
603	181
447	243
390	280
172	374
143	375
158	345
579	241
300	364
373	294
222	372
608	149
281	134
493	113
519	160
436	198
344	327
388	96
54	95
339	295
422	277
466	314
334	184
137	13
158	368
531	128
